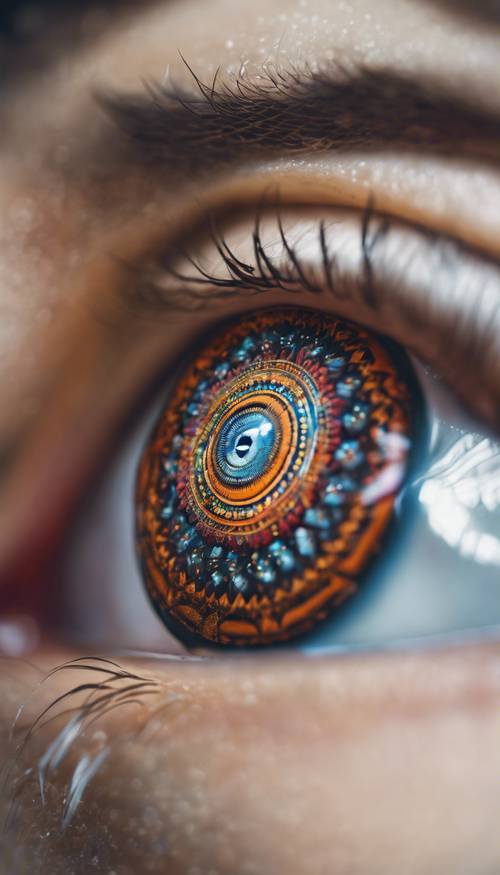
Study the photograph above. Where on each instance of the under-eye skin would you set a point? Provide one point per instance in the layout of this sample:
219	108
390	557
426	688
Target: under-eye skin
271	476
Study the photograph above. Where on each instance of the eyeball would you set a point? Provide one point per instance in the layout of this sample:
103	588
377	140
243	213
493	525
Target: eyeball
268	484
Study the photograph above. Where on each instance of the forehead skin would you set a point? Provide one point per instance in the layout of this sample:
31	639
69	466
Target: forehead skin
354	766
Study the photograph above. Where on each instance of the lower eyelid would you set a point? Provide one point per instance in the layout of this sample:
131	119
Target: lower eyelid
400	698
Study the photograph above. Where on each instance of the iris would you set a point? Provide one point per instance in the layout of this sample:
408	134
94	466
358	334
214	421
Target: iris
252	525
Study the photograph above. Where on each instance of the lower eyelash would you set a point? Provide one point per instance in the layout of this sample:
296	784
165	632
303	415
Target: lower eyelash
109	687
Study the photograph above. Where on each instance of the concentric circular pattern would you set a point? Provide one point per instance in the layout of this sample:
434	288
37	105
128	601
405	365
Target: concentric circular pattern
271	477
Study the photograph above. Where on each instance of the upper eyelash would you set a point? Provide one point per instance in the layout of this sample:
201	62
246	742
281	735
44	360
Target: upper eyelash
263	275
164	287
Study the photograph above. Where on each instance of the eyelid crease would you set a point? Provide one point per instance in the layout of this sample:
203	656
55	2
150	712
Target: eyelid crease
429	291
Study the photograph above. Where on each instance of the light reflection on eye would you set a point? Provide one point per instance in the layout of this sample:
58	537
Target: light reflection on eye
461	493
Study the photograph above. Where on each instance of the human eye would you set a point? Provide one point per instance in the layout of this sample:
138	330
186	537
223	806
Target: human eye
308	190
307	474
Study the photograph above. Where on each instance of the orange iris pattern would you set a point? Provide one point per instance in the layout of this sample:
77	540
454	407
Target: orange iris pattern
267	485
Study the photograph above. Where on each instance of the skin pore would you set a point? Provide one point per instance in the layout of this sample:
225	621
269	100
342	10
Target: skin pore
365	763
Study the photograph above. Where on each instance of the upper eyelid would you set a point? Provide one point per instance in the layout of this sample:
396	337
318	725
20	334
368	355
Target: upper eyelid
409	279
374	225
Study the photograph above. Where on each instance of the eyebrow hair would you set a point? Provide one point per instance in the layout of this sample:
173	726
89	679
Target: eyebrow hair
300	112
485	11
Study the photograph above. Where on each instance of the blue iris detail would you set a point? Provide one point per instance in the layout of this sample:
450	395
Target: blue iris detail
246	446
349	454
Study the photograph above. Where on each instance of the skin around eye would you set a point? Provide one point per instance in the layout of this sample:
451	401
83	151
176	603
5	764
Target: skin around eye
271	476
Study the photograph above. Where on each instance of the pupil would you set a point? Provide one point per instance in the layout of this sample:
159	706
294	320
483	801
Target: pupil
243	445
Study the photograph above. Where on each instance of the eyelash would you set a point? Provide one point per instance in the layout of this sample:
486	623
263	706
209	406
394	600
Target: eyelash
263	275
403	281
107	687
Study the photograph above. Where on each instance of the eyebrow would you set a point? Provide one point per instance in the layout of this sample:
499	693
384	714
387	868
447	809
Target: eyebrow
298	112
485	11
